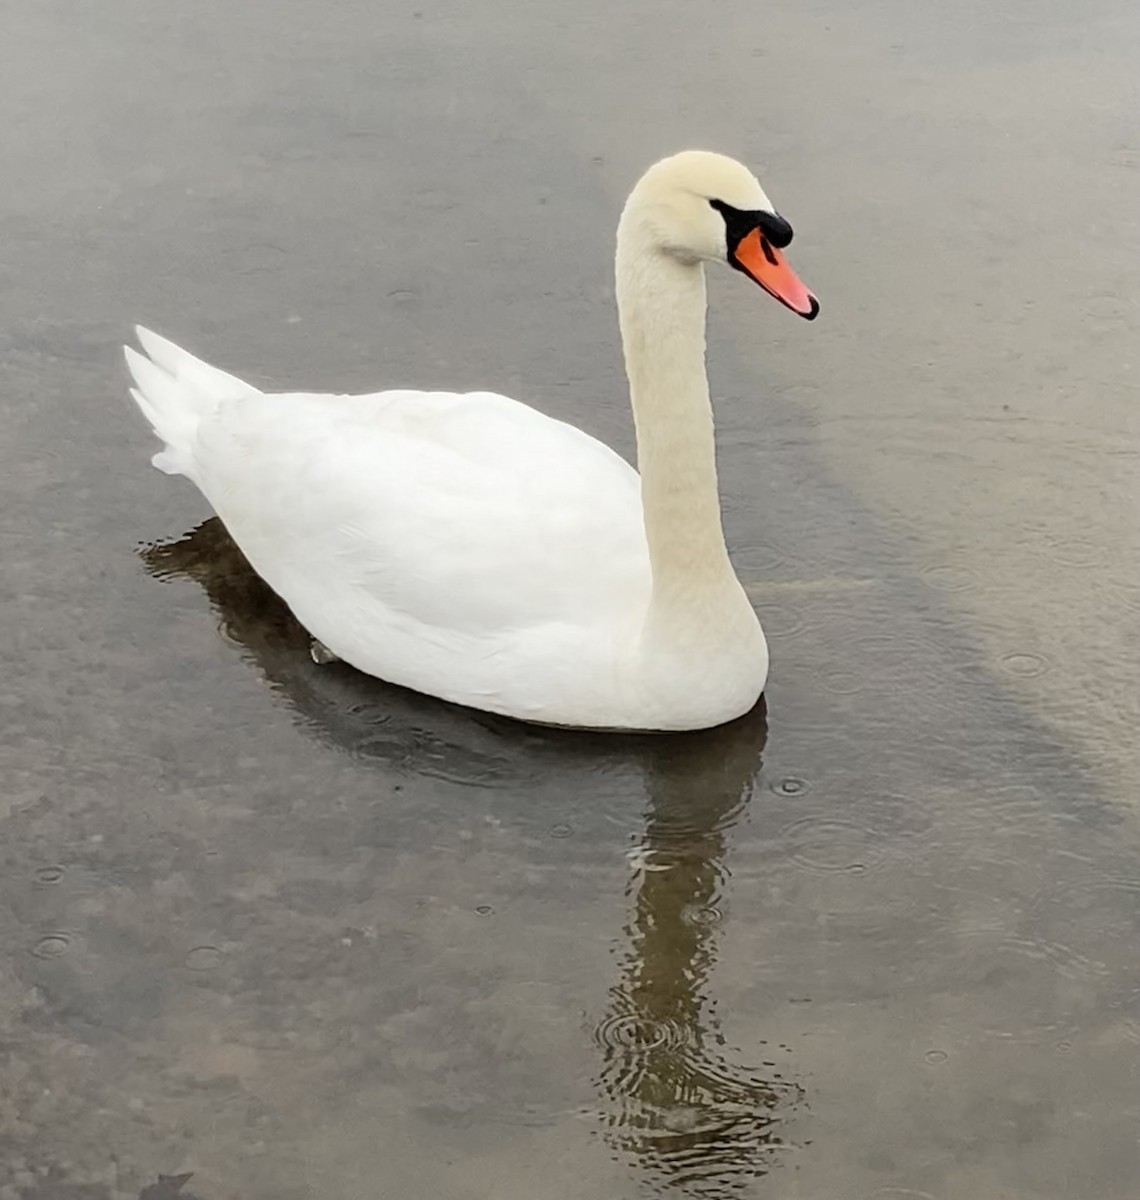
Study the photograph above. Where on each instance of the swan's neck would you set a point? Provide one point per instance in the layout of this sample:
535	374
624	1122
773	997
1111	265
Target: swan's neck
661	306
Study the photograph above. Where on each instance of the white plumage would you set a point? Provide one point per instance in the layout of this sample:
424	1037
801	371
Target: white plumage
466	546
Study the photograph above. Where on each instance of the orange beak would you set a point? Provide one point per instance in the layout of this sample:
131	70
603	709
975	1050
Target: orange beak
756	256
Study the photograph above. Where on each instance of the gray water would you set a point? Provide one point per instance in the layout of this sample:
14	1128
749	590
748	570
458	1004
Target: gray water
300	935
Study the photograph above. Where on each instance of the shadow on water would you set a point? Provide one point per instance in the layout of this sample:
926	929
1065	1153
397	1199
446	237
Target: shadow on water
670	1098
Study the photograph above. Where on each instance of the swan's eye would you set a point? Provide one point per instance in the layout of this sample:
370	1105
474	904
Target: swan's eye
739	223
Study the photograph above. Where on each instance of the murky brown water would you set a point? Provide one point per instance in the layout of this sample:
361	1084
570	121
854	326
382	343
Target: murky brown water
305	936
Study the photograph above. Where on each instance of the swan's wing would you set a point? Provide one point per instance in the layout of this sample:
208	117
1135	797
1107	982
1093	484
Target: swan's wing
469	514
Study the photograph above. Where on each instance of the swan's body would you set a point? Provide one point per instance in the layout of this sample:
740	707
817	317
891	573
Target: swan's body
472	548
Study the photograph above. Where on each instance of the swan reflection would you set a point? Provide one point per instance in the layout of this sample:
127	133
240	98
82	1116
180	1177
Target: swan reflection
687	1115
672	1101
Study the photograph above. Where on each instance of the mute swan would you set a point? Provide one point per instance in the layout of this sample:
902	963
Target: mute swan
472	548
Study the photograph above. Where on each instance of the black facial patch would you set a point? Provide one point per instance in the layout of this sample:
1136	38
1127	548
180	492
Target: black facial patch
738	223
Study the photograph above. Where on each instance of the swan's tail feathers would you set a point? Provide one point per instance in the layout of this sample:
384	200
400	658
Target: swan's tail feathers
175	391
184	366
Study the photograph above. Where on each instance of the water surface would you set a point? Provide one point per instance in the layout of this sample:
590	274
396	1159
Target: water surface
297	934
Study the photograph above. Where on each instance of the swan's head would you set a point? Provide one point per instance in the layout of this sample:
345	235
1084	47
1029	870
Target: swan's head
705	207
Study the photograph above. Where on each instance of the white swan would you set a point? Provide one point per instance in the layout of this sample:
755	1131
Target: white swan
472	548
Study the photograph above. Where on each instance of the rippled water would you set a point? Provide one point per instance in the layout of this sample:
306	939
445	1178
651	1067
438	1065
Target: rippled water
273	931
